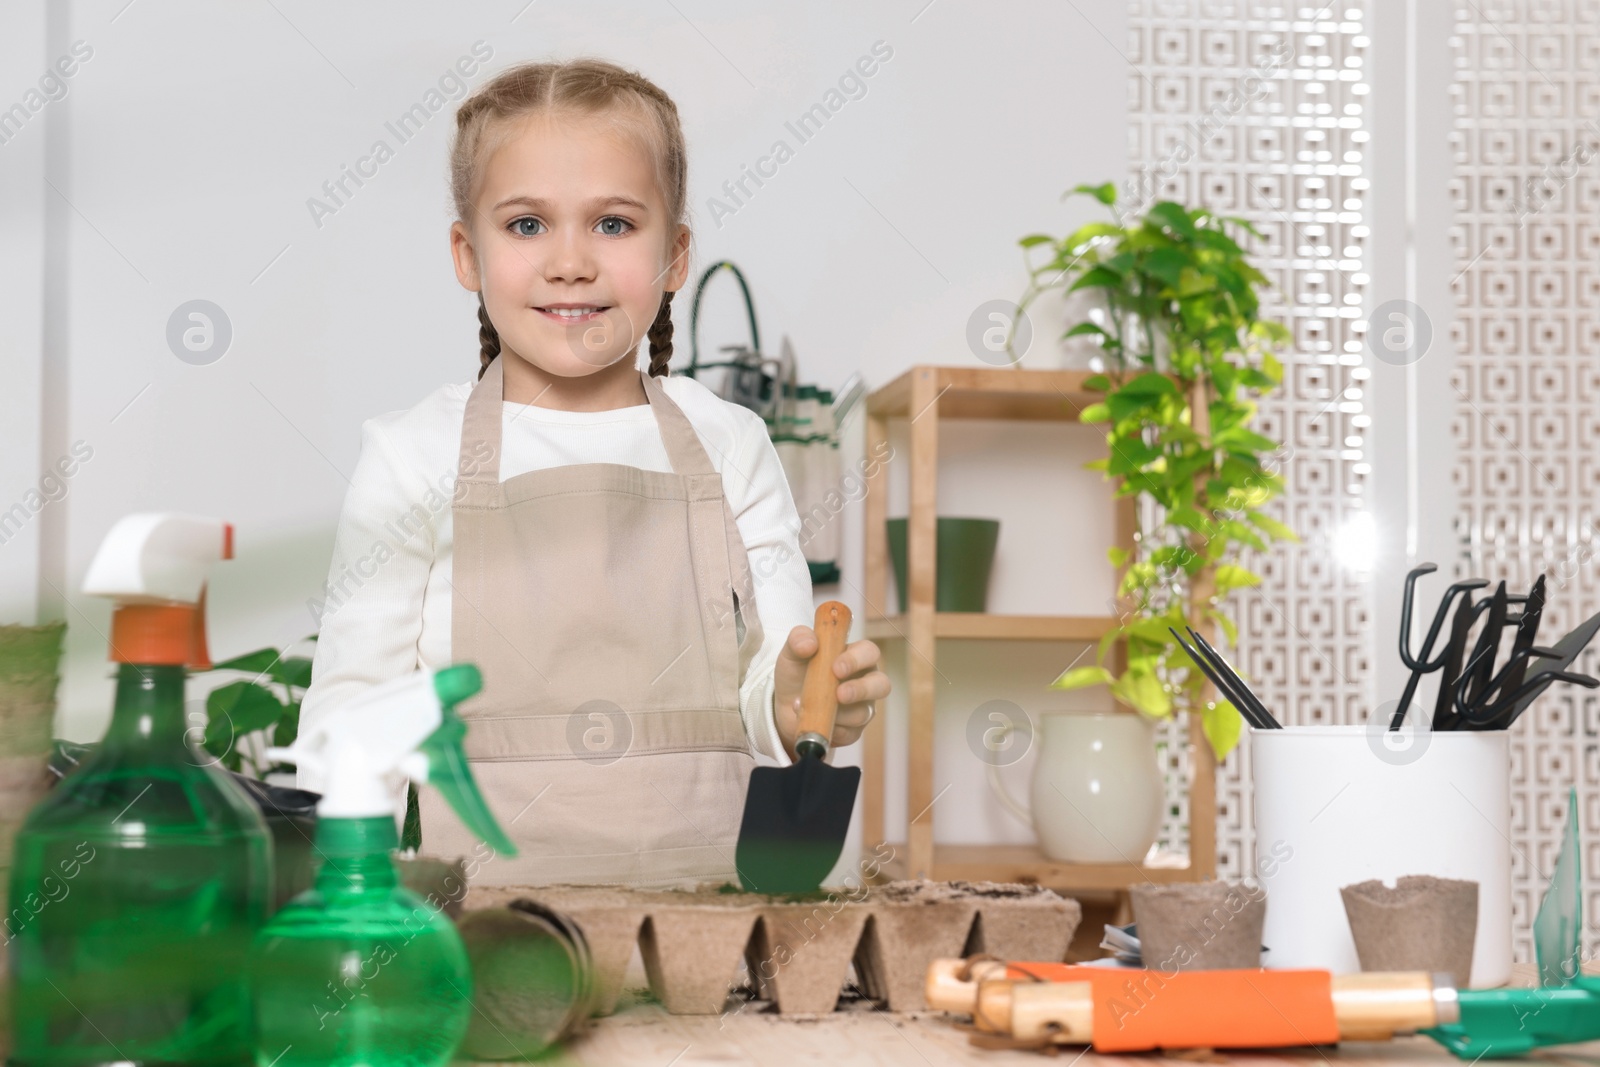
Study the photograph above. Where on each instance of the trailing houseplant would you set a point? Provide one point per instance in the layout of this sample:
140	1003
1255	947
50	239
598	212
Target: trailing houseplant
1184	353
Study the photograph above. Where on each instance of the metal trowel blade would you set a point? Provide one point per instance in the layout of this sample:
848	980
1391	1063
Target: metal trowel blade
795	821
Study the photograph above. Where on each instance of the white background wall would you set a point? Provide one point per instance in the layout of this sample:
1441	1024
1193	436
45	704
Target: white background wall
179	163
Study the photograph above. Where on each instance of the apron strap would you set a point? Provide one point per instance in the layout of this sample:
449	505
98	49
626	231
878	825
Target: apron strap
485	411
684	448
482	423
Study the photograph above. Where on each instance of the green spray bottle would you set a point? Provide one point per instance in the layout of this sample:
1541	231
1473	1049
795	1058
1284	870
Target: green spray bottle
359	970
138	883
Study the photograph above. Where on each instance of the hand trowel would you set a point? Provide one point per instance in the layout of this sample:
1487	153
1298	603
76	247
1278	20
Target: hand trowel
796	818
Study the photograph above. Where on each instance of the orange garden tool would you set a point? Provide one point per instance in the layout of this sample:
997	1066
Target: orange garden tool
1117	1009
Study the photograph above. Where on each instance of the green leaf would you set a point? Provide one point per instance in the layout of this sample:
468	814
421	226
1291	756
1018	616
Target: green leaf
1229	628
1244	224
1034	239
1167	265
1192	282
1094	413
1099	383
1117	556
288	727
1216	241
1089	232
1086	327
1106	194
1082	678
259	662
1230	576
237	709
1150	383
1222	726
1173	217
1277	530
1131	456
1188	518
1122	403
1096	277
1243	534
1272	367
1107	639
295	670
1140	688
1257	379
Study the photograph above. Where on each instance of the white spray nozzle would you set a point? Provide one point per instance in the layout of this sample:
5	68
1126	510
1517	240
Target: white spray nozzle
402	729
153	565
158	557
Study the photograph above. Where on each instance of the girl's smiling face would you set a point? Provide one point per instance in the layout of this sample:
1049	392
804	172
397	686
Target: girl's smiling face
570	245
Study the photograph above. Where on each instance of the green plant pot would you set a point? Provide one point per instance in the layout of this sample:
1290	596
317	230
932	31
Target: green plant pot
30	672
963	558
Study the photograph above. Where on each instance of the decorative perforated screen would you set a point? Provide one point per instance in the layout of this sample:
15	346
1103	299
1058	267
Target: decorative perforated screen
1526	328
1259	110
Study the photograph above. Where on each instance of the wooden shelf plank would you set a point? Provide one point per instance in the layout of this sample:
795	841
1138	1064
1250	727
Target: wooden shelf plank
991	393
981	626
1025	863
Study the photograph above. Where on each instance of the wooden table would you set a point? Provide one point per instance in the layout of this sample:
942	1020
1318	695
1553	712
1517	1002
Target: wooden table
642	1033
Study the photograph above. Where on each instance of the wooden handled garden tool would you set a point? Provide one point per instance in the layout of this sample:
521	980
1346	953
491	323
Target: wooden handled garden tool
796	818
1118	1009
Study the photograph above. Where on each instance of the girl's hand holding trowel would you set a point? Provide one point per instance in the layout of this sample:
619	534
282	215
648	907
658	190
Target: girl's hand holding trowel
860	684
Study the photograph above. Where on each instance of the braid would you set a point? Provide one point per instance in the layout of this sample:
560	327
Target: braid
488	338
660	335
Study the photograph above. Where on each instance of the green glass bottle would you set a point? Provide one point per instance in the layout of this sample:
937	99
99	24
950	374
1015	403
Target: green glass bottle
136	887
359	971
137	883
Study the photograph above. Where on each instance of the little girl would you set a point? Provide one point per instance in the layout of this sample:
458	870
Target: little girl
619	557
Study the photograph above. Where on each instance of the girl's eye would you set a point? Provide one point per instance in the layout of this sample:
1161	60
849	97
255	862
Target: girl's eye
518	226
614	221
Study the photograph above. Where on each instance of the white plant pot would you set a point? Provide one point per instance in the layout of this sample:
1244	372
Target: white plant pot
1336	805
1097	790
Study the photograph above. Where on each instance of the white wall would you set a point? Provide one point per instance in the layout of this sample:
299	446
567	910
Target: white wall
194	136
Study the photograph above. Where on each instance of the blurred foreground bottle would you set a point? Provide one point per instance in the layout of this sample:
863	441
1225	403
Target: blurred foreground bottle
359	971
139	881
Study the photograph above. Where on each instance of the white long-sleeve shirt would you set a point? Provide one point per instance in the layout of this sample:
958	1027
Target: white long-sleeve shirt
387	604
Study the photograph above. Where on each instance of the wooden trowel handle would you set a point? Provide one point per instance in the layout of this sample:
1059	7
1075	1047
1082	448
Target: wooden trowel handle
819	693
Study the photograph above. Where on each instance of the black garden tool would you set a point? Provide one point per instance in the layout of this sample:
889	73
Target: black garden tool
1522	650
1552	667
1467	613
796	818
1227	680
1479	671
1421	664
1494	707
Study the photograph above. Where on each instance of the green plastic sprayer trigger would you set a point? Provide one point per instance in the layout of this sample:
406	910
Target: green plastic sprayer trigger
1565	1008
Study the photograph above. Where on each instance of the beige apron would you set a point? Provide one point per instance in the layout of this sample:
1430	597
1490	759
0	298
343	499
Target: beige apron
612	612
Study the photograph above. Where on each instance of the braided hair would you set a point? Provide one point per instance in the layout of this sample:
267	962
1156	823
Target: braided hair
594	88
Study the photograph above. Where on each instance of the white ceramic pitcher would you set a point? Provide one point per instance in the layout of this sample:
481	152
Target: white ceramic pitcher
1097	790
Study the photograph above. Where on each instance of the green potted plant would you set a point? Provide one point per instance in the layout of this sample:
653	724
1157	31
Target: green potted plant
1184	352
238	709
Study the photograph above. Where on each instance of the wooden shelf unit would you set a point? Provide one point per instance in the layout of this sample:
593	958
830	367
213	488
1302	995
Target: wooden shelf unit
925	395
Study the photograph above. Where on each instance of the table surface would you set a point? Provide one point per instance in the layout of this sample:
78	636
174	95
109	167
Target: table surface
643	1033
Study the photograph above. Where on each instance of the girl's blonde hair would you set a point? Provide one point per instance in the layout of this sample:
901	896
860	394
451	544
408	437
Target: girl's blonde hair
593	88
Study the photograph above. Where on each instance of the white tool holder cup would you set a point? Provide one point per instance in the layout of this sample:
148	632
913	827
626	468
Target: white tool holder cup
1341	804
